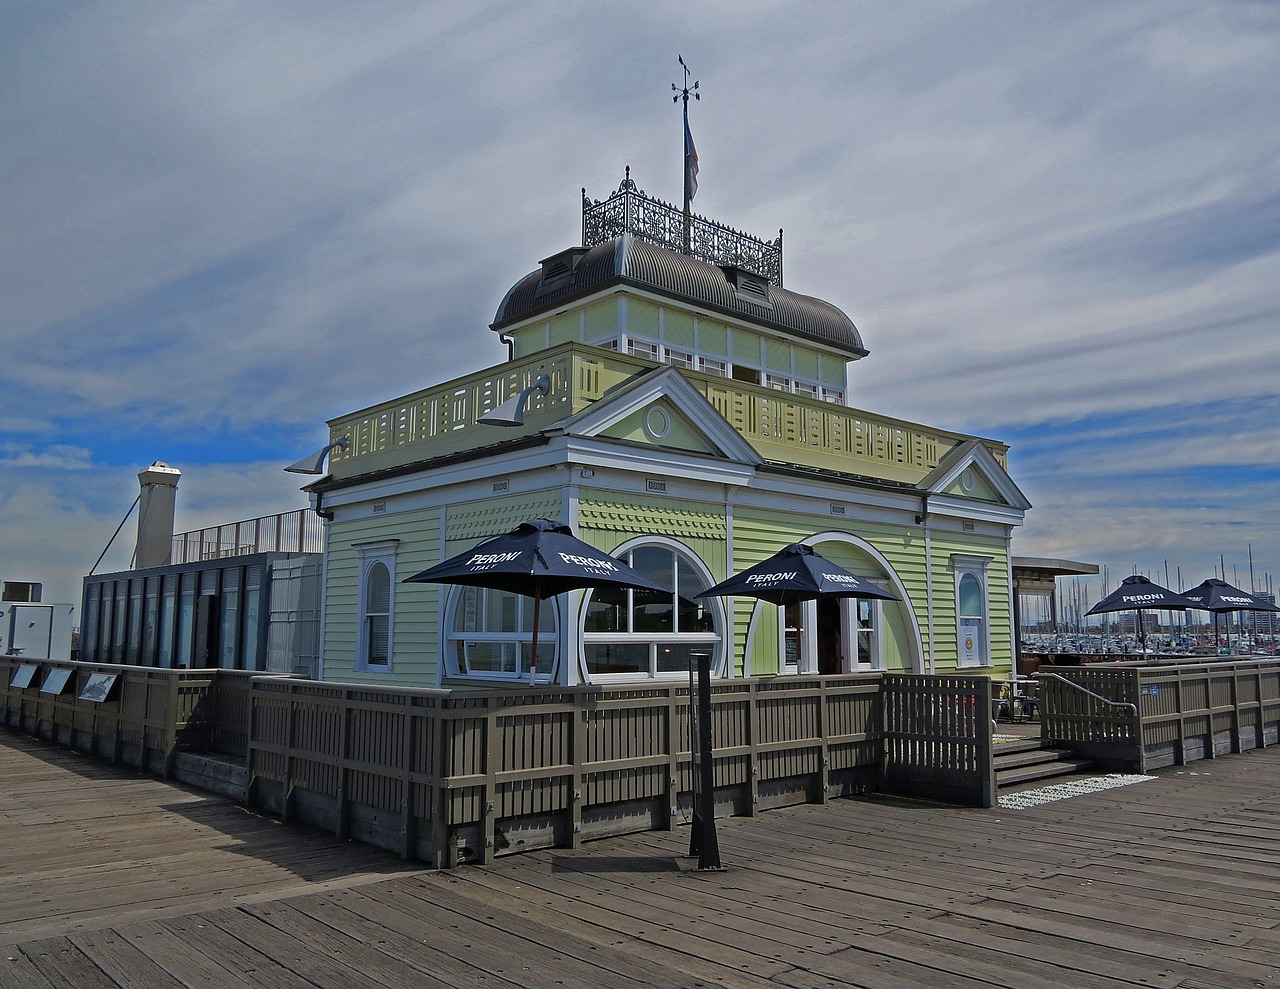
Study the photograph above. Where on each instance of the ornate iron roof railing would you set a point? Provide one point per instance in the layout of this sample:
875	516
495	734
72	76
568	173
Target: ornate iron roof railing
630	210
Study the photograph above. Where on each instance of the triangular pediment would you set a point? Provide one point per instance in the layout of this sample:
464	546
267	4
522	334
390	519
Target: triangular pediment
663	410
971	472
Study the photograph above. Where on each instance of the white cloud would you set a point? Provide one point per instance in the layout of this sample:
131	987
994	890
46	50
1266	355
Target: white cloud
240	220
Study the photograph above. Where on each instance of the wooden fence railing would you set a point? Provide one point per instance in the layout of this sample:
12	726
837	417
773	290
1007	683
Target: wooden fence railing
1185	713
937	738
448	776
136	715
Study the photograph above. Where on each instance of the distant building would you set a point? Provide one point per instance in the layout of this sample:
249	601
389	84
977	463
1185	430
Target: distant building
244	595
695	418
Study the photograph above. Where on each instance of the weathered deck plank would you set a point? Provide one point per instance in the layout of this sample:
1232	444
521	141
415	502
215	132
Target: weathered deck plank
118	881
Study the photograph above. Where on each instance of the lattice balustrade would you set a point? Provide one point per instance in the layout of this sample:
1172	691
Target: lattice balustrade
785	428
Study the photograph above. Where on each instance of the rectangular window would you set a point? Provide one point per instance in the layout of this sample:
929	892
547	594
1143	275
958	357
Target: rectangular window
186	619
643	348
681	358
229	635
89	632
120	608
709	365
252	602
168	612
151	622
133	647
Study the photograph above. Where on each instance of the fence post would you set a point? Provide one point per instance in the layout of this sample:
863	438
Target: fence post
985	729
342	826
580	725
824	734
488	811
408	820
753	740
673	758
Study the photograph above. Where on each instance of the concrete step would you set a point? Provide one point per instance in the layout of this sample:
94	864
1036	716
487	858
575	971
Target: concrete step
211	771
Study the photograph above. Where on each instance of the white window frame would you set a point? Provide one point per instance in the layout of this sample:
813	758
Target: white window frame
370	555
521	639
975	567
655	640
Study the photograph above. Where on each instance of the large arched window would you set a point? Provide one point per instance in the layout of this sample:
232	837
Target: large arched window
636	633
490	634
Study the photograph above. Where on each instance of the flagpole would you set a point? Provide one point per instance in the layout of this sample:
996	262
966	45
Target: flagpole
690	152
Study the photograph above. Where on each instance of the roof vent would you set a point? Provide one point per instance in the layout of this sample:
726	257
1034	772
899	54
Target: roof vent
749	286
558	270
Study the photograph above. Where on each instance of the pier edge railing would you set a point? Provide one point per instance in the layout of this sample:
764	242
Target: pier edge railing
1185	712
137	715
454	776
451	776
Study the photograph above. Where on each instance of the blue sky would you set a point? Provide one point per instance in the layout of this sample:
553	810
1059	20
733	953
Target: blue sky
1054	224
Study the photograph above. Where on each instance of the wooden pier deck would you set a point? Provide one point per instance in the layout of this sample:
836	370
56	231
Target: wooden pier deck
114	880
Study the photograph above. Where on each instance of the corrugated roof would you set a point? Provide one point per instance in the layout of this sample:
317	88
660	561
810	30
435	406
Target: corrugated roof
629	260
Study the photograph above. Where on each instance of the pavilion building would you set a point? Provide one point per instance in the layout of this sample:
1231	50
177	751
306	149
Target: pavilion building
684	411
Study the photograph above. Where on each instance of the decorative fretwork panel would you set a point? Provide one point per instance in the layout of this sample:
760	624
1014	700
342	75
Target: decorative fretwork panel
630	210
785	428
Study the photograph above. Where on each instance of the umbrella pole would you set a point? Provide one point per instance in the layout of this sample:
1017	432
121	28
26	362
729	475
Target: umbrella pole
533	659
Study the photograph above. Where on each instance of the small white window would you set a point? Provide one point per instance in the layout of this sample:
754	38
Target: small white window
709	365
377	605
643	348
973	643
680	358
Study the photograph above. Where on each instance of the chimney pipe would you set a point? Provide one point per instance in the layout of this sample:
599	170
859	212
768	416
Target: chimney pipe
155	515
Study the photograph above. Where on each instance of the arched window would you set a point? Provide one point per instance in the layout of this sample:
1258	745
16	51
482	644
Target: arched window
490	634
632	633
972	645
375	638
377	616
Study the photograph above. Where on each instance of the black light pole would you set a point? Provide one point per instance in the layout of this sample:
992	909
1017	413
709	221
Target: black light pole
702	837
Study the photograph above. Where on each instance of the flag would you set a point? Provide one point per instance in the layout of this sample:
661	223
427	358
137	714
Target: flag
690	164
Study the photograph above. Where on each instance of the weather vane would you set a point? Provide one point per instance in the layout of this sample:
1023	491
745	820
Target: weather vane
690	152
687	89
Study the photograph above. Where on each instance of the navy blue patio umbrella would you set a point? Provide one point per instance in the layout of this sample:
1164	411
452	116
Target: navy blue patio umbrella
793	574
1217	596
1139	594
797	573
537	559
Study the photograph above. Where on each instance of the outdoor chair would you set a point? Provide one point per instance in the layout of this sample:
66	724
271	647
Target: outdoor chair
1026	705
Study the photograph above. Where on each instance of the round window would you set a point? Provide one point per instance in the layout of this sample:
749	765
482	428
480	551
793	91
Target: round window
656	423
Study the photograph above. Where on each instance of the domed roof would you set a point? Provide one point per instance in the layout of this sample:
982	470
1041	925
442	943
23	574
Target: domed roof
630	260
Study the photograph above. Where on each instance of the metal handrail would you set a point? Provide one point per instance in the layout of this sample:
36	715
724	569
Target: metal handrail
1133	708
